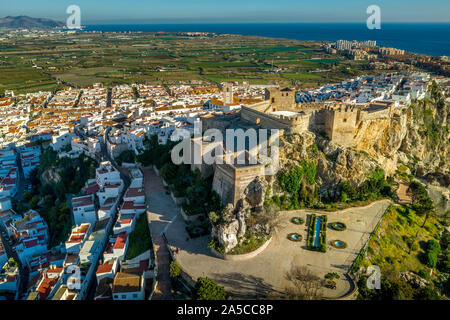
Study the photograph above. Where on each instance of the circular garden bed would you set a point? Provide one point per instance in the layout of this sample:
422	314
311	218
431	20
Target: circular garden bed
338	226
339	244
297	220
295	237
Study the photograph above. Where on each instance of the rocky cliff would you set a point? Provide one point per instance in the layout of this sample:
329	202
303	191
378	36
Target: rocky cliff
416	137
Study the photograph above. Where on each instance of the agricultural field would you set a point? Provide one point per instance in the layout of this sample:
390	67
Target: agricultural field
113	58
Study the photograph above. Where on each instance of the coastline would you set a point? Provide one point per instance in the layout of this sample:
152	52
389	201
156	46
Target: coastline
419	38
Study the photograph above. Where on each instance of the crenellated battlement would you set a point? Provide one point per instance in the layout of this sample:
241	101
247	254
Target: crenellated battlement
341	108
337	120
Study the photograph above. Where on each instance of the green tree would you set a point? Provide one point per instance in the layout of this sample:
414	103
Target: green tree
174	269
432	253
421	202
27	196
33	203
290	181
207	289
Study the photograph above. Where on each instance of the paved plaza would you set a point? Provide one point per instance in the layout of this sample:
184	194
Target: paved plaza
263	275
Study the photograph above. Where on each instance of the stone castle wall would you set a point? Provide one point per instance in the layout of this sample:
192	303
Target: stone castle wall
365	115
230	181
280	98
340	124
295	124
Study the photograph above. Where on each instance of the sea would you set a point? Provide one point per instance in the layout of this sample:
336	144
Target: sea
425	38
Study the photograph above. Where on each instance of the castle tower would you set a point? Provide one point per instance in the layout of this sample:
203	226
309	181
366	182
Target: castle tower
340	124
227	93
280	98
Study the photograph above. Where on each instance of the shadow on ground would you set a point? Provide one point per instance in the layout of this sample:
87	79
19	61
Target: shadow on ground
242	286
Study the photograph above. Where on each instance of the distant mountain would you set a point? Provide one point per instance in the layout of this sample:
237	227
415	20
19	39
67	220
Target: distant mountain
24	22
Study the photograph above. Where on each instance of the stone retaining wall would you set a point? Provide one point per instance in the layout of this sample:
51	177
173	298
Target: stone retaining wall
189	218
178	201
241	257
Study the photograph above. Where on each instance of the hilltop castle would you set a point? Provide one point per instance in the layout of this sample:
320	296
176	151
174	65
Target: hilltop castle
337	121
279	110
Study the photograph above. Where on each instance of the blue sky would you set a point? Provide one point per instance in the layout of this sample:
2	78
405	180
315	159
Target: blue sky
229	11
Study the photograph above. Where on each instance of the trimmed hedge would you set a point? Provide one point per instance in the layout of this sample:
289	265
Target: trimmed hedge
297	220
322	236
290	237
344	244
337	226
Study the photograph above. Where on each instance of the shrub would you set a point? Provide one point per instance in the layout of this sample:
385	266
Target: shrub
214	244
424	274
126	156
291	181
174	269
207	289
332	275
432	253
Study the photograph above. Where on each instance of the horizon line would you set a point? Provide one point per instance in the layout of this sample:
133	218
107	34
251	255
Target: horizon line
140	22
271	22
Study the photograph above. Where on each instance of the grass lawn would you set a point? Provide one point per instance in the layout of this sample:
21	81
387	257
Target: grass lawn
140	239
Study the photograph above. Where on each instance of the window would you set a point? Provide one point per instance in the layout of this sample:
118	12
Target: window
135	295
124	296
345	119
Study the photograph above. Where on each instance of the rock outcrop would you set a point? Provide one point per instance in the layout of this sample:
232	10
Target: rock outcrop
384	143
227	230
413	279
232	225
381	139
254	194
50	176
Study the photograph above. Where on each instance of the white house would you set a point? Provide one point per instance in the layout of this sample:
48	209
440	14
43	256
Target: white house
62	139
107	174
5	203
9	278
130	207
108	191
128	286
136	195
116	247
32	235
83	210
124	223
77	238
92	248
107	269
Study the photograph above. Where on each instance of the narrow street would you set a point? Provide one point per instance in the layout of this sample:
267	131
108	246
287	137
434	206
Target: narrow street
90	294
163	289
161	210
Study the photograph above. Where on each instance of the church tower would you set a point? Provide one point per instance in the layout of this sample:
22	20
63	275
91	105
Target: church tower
227	93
